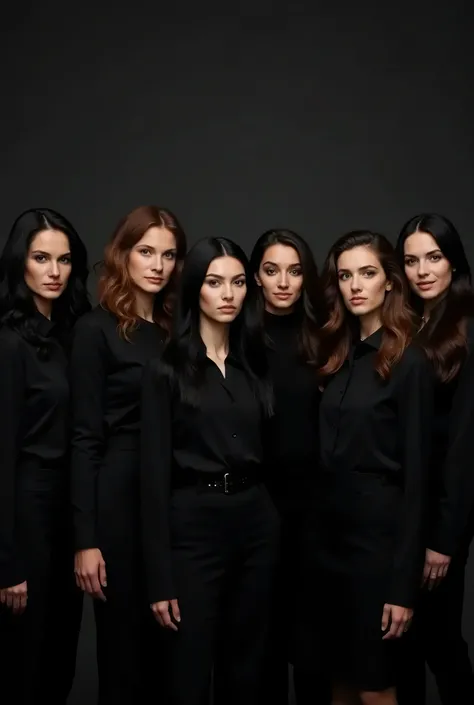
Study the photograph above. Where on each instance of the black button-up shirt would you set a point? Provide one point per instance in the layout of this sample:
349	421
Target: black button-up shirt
34	407
106	373
222	434
368	425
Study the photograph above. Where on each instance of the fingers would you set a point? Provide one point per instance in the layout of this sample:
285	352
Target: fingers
400	620
385	617
102	574
15	598
161	611
175	610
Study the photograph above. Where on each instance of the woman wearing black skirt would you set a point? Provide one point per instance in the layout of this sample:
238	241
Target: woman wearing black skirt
210	530
439	275
110	347
374	434
43	291
290	304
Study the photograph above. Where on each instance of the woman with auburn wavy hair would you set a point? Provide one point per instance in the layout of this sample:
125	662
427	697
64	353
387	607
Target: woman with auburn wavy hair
374	433
432	253
110	347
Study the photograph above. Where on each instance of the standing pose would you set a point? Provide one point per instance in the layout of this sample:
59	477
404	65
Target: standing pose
110	347
43	291
290	304
439	275
210	530
374	433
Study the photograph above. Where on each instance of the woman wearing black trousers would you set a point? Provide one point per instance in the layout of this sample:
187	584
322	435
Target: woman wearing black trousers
110	347
210	530
290	304
374	433
43	291
439	275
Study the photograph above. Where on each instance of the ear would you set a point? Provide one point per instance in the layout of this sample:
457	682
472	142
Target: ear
257	279
388	286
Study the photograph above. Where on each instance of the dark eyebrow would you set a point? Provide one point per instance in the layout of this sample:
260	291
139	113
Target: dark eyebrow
218	276
361	269
274	264
48	254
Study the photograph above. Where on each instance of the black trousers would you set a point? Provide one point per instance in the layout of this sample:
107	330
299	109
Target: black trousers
126	632
309	684
436	639
38	648
224	550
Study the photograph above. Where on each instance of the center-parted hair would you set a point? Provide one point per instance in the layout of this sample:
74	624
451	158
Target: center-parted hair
116	289
311	302
182	356
443	337
342	327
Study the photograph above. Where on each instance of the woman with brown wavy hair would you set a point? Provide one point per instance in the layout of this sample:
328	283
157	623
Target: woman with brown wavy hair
110	347
374	432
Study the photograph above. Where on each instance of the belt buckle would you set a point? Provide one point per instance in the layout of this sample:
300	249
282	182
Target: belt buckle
227	483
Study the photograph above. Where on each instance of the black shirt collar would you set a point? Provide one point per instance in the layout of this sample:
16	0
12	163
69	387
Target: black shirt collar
43	325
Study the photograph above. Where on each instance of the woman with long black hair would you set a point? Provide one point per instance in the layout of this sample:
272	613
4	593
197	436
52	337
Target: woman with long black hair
210	530
432	253
375	428
290	304
110	348
43	292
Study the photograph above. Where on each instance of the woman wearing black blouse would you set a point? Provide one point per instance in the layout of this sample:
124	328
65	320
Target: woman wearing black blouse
440	279
110	347
43	278
210	530
374	434
291	307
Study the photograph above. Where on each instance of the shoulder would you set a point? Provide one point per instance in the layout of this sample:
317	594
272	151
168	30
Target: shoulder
414	363
98	319
11	342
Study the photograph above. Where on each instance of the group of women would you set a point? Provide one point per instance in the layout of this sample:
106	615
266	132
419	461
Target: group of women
244	463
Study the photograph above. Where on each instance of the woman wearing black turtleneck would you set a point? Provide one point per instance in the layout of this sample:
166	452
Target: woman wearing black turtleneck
286	273
43	291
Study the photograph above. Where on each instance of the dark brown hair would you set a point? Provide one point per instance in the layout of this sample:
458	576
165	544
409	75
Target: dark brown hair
116	292
444	337
342	327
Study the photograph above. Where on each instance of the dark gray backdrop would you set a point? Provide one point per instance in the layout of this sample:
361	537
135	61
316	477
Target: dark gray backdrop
317	116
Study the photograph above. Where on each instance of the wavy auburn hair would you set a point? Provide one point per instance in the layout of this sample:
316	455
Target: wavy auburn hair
116	290
444	336
342	327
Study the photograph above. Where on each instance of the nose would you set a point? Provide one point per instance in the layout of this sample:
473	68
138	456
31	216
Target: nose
158	264
355	283
228	292
54	269
422	269
283	280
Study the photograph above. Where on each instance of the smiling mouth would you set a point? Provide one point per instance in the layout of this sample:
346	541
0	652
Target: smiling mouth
425	283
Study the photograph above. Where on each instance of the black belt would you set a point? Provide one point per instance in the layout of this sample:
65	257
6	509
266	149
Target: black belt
227	483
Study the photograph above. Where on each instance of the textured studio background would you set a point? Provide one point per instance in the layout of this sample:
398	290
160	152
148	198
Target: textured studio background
239	116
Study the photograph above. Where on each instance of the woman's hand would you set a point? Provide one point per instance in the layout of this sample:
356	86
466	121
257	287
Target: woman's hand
436	567
398	619
89	568
165	612
15	597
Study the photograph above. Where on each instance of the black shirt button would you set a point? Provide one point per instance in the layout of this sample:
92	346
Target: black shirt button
234	435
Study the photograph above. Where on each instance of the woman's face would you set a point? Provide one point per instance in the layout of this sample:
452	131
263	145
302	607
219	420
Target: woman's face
48	265
223	290
152	260
281	277
362	281
427	269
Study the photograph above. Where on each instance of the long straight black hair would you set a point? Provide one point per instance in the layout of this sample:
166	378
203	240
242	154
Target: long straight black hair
183	354
310	305
17	306
443	337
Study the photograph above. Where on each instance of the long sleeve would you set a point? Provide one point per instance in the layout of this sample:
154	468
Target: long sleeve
457	481
88	378
415	404
12	391
155	474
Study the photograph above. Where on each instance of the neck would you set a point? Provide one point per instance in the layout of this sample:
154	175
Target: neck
278	311
144	304
44	306
369	324
215	337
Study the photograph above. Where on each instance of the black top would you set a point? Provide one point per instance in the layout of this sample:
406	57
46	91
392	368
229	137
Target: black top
34	397
178	440
291	443
452	473
106	375
368	425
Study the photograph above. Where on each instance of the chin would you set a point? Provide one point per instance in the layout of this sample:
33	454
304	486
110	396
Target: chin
153	288
52	295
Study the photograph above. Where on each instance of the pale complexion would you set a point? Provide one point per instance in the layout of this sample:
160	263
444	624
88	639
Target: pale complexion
430	275
281	277
151	263
364	285
220	301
